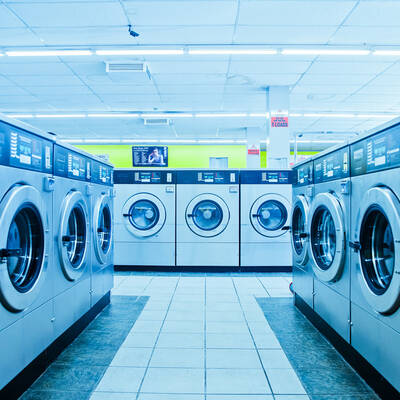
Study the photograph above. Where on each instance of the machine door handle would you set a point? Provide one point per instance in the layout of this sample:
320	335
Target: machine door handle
191	215
5	253
356	246
303	235
256	215
285	228
100	230
68	238
127	215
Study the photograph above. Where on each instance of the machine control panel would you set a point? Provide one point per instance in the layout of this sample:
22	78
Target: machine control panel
376	152
225	177
332	166
143	177
303	174
26	150
102	174
70	164
273	177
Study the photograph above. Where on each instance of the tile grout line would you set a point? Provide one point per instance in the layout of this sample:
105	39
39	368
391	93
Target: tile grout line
254	342
155	344
263	286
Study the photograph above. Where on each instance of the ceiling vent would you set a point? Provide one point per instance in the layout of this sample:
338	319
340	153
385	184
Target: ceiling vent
138	69
156	121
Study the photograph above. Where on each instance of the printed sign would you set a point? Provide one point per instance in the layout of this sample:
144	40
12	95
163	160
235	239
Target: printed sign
279	122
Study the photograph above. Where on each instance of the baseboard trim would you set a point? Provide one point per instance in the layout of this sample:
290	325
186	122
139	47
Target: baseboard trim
15	388
158	268
374	379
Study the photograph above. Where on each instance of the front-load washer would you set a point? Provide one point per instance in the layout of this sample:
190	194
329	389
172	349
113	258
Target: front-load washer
207	229
102	241
26	270
72	238
265	209
329	221
375	259
144	217
303	193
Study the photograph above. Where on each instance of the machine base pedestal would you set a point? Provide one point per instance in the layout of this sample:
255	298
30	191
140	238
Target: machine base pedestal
161	268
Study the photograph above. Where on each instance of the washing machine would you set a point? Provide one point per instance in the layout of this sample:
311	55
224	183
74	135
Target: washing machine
102	248
207	229
329	221
265	209
144	217
26	269
302	195
375	256
71	235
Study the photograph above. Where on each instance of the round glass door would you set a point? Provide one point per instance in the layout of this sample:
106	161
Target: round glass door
144	214
23	259
377	231
299	230
103	228
327	237
73	237
207	215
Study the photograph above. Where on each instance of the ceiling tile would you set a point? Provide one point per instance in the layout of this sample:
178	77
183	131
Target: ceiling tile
375	13
375	35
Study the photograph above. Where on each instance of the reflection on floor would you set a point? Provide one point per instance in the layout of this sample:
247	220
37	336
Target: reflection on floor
200	336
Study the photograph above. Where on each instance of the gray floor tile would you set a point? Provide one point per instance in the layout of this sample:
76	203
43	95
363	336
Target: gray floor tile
170	396
233	341
181	340
237	381
266	341
113	396
227	327
121	379
183	327
284	381
147	326
182	358
187	315
54	395
173	380
274	358
132	357
224	316
294	397
140	339
232	358
239	397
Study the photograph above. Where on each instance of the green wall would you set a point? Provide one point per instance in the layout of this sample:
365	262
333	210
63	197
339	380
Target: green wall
181	156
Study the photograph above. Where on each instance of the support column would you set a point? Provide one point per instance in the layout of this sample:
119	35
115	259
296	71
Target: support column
278	149
254	137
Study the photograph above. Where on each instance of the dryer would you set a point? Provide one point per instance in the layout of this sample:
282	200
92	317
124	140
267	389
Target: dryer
375	259
265	209
72	238
207	229
329	220
26	270
102	248
144	217
303	193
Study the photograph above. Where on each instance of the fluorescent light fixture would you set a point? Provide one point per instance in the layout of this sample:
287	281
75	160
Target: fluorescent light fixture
142	52
233	52
280	112
328	115
217	141
241	141
325	52
102	141
220	115
384	116
60	115
1	54
259	115
139	141
20	116
72	140
115	115
295	115
49	53
167	115
178	141
386	53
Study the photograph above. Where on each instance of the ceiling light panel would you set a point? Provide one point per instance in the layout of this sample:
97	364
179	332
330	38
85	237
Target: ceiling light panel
232	51
49	53
143	52
325	52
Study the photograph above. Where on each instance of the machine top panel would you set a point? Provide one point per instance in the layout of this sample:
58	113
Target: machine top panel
25	150
71	164
376	152
303	174
266	177
143	177
102	174
332	166
213	177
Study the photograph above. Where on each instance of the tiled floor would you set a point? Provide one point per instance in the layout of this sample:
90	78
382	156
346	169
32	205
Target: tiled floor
202	337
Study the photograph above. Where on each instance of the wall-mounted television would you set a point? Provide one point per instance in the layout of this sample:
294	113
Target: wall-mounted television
150	156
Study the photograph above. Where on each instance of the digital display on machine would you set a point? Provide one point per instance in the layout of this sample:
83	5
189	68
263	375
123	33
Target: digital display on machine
376	152
266	177
303	174
208	176
143	177
69	164
101	173
150	156
332	166
22	149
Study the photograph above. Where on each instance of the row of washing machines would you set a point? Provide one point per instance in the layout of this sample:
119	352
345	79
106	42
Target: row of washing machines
346	244
56	254
202	218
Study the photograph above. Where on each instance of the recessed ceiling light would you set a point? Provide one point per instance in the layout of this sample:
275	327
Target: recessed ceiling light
232	52
20	116
325	52
49	53
138	52
115	115
60	115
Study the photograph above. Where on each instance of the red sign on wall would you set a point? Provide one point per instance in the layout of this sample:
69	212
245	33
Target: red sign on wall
279	122
253	151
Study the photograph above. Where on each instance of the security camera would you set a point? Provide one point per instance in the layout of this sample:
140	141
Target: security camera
132	32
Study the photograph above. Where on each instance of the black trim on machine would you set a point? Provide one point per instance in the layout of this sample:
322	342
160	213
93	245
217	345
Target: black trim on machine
161	268
22	382
374	379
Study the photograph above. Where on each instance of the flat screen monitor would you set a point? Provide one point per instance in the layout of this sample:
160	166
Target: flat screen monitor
150	156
